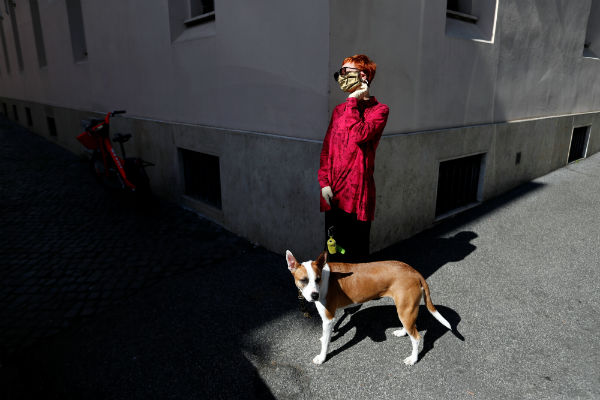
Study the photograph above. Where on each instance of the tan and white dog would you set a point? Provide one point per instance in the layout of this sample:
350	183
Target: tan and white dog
336	285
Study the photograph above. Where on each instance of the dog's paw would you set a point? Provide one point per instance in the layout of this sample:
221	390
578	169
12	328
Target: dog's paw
319	359
399	332
410	360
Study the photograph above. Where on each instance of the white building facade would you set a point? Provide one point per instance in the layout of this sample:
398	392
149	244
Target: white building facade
230	99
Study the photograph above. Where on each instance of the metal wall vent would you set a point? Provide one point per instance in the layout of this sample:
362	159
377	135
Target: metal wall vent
51	126
28	115
578	143
458	184
202	177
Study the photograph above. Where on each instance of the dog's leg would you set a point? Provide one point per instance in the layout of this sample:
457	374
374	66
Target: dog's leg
400	332
328	321
414	356
325	339
408	316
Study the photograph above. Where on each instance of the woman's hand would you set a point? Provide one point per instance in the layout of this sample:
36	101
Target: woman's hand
327	194
361	93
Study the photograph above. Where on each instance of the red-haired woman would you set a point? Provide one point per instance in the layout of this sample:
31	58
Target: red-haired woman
348	159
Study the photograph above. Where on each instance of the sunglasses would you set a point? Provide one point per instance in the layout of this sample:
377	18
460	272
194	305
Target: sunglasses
343	71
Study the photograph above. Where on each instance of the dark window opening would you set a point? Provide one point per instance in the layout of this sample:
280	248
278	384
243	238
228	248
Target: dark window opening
15	113
16	37
202	177
76	26
461	10
200	11
51	126
458	183
28	115
578	143
3	38
5	109
37	32
199	7
591	44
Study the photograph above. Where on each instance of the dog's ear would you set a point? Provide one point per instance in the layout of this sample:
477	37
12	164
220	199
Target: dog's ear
322	259
291	261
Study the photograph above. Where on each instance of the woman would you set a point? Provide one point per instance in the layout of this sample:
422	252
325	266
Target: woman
348	159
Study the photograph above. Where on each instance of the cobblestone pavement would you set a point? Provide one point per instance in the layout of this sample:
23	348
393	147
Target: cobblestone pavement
102	300
70	250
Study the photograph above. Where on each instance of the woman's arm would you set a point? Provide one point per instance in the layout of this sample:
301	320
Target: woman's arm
324	161
363	130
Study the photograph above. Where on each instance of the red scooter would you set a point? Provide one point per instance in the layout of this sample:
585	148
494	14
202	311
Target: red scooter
112	171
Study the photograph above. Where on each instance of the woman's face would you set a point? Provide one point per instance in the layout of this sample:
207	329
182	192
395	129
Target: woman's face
363	76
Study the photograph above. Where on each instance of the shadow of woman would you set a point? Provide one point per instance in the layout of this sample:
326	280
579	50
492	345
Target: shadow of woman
373	322
427	252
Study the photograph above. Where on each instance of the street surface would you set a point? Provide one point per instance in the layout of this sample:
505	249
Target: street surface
101	299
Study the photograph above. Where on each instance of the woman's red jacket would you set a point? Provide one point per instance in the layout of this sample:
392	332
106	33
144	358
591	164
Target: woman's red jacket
348	156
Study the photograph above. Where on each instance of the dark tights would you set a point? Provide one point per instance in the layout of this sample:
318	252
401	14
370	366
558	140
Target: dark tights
351	234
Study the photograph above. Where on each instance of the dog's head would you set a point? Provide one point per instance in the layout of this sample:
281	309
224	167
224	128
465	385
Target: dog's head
307	275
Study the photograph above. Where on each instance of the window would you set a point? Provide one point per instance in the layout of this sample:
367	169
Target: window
190	19
5	109
51	126
591	46
199	7
461	10
28	115
473	20
202	177
37	32
16	37
15	113
459	184
200	11
579	142
76	27
3	37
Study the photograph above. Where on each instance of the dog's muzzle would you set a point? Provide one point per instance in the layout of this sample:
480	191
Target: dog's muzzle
314	296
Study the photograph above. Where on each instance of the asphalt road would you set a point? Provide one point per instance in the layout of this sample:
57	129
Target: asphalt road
205	314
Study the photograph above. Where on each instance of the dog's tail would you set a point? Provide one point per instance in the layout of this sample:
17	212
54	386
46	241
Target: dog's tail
431	307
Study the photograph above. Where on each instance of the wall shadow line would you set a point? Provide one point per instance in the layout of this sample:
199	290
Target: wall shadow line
430	250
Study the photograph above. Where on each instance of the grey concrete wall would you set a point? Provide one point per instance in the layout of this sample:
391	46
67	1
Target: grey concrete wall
269	190
268	187
406	172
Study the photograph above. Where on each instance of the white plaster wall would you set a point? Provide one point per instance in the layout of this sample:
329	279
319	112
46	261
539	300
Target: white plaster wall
258	67
535	66
266	66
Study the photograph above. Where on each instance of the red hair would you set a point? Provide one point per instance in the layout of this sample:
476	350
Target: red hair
363	63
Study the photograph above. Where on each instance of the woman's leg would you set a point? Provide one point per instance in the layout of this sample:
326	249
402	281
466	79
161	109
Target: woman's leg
361	240
350	233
